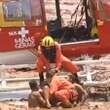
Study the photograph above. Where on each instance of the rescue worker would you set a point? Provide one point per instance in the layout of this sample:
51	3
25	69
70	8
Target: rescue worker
49	52
35	98
63	91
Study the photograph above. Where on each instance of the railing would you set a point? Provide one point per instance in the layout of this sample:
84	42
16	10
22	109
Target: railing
86	63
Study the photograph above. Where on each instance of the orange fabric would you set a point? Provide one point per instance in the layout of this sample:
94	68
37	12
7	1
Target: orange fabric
55	83
59	84
62	88
65	94
60	60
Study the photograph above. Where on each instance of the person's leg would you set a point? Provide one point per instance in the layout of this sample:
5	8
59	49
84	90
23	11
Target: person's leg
46	95
41	76
40	69
82	93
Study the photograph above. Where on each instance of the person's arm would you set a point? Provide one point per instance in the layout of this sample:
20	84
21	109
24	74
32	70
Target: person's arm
81	91
39	98
53	85
80	88
40	65
41	77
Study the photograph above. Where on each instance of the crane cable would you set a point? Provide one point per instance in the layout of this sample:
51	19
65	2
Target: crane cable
71	22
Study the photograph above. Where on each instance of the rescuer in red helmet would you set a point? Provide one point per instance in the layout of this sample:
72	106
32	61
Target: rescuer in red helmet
49	54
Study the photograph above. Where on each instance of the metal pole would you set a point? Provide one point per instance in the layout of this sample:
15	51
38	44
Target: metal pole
58	12
88	19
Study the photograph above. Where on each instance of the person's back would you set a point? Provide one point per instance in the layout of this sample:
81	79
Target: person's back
35	98
58	83
32	99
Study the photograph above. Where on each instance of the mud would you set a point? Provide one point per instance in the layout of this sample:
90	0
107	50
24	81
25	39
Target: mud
23	106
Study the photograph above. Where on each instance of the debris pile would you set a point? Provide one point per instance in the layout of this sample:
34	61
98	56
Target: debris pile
103	70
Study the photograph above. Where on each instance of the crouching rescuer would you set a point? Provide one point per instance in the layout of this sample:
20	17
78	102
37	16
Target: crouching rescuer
49	52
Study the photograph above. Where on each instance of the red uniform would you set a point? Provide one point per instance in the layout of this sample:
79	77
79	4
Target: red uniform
62	89
59	60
